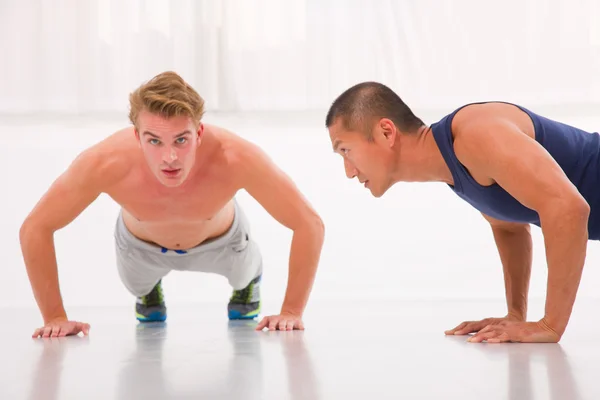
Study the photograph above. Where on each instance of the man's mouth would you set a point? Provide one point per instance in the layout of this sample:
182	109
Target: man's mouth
171	172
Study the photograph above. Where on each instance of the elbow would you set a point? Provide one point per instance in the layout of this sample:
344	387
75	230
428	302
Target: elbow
31	227
314	224
579	208
27	228
575	209
318	225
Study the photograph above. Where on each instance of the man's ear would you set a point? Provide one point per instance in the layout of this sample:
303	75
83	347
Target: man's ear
200	132
388	131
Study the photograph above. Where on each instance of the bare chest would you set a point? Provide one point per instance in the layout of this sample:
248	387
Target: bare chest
199	202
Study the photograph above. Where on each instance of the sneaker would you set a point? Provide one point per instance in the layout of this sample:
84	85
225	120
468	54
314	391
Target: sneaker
151	307
245	303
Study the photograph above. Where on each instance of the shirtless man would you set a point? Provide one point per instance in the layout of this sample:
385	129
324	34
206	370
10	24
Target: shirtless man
175	179
517	168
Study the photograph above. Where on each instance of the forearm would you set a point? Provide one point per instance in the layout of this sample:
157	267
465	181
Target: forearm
306	246
565	237
39	256
515	250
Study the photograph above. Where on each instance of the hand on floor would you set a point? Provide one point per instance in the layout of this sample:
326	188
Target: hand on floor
283	322
61	328
475	326
515	331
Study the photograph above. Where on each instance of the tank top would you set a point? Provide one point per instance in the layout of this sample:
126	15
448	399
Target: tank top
576	151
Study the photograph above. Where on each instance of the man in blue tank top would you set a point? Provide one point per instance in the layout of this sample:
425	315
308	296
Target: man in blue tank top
515	167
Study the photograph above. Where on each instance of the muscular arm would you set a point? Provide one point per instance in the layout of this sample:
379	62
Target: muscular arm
514	244
496	147
279	196
66	198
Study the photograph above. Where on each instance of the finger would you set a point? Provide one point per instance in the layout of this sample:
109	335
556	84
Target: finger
63	332
37	333
292	325
283	325
502	337
86	329
458	327
301	325
273	324
47	331
262	324
55	331
471	327
79	327
487	328
480	337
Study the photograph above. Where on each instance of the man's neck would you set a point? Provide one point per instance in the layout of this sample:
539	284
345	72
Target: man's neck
420	159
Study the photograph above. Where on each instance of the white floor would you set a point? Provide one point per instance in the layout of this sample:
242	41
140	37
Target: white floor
378	350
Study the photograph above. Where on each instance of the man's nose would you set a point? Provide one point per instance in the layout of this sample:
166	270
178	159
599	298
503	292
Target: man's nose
350	169
169	154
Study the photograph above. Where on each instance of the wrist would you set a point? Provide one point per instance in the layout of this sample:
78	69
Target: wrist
552	326
291	311
516	316
55	318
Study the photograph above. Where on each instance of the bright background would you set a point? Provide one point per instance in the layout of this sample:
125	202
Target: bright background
268	70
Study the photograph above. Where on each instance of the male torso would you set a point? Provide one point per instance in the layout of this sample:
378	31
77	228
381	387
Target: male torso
575	151
175	217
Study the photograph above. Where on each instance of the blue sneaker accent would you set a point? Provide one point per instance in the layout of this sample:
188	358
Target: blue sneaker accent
156	316
234	314
245	303
151	307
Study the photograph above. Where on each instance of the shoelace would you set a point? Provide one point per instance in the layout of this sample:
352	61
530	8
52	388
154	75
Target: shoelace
155	297
242	296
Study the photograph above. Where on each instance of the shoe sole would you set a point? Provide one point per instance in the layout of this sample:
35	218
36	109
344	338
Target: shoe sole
238	315
156	316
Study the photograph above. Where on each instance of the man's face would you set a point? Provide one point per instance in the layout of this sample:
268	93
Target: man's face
368	160
169	146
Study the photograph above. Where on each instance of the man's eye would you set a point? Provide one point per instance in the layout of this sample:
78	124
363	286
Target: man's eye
181	140
154	141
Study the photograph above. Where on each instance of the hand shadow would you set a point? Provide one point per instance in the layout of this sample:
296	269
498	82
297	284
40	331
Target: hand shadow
522	357
143	374
47	377
302	382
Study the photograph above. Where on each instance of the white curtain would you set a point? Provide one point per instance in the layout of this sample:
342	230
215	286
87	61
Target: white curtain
85	56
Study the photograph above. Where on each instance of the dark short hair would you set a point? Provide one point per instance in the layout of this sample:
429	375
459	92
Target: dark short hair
362	103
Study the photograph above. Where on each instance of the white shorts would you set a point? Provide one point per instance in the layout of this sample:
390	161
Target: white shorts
233	255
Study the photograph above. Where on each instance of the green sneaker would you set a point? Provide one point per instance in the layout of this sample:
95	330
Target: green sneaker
151	307
245	303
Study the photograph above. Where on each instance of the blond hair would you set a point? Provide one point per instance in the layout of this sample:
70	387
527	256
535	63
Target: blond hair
168	95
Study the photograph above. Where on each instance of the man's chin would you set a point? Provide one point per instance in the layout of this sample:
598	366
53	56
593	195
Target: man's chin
378	192
171	182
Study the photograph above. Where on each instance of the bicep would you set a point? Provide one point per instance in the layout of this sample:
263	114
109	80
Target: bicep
517	163
69	195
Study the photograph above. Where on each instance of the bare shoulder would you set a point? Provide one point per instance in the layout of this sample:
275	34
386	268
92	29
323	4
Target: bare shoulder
490	136
106	162
480	119
236	150
92	172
